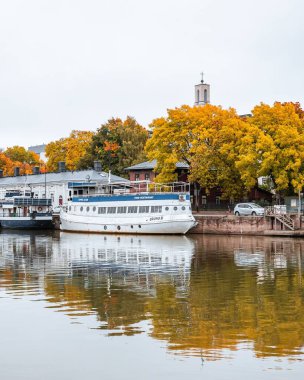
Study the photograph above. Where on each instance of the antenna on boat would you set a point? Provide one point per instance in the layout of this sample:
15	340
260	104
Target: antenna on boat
109	177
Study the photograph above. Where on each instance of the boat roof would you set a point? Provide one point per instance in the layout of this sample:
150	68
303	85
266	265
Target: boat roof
63	177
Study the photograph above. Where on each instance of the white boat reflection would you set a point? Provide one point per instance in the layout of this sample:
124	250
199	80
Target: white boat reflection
148	253
103	256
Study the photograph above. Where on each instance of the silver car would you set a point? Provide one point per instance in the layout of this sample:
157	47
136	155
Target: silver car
248	209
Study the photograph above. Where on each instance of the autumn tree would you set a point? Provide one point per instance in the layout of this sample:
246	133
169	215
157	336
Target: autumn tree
207	138
70	150
20	154
117	144
6	164
275	148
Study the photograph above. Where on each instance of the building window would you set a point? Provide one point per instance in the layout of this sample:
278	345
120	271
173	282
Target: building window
147	176
197	96
136	176
204	200
60	200
205	96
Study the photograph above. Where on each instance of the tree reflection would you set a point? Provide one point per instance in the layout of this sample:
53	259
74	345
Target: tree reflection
200	295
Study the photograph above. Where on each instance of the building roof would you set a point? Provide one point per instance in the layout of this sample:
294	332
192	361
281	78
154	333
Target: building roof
38	149
63	177
150	165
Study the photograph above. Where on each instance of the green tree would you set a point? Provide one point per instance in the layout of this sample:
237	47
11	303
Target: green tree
117	144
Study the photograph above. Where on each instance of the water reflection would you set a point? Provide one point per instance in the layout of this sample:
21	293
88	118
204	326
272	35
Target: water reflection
201	295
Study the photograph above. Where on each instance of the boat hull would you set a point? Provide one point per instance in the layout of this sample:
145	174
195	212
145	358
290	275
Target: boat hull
164	227
26	223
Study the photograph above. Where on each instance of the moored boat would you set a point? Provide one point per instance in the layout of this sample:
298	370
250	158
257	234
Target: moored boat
164	210
25	212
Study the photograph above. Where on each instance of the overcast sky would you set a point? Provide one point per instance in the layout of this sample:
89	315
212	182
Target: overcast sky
72	64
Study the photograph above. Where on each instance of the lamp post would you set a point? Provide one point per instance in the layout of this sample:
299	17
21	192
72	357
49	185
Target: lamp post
300	195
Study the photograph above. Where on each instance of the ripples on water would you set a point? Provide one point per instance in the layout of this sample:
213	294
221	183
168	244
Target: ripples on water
202	296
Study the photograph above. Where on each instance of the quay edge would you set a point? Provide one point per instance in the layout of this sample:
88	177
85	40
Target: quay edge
245	225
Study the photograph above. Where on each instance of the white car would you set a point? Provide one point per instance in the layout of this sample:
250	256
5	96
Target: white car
248	209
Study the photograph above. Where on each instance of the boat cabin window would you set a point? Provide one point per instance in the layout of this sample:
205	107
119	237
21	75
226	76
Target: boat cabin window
94	209
80	192
132	209
111	210
121	210
156	208
88	209
81	208
144	209
102	210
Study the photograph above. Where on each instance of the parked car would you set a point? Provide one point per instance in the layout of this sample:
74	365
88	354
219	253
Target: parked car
248	209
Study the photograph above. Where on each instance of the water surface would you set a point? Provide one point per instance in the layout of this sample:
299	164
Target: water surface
76	306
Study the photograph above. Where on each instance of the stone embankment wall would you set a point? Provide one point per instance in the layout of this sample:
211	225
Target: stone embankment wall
242	225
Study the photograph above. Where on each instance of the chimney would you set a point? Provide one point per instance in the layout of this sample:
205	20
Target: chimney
16	171
36	170
61	166
1	173
97	166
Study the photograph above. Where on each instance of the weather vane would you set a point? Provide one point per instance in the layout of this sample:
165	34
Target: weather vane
202	80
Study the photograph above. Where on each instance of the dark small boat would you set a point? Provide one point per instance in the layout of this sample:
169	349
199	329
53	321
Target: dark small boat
25	212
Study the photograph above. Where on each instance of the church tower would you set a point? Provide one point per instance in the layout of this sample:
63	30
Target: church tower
202	93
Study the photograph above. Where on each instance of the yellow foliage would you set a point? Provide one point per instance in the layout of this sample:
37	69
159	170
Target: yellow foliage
70	150
225	150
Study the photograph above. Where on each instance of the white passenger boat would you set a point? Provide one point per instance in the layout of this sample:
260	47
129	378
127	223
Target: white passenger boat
162	210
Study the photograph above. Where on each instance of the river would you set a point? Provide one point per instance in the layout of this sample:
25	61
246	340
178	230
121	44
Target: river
78	306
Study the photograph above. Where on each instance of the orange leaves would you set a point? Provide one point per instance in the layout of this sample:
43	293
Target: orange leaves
17	156
70	150
110	147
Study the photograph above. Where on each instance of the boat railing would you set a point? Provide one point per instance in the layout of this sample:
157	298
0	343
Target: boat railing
143	187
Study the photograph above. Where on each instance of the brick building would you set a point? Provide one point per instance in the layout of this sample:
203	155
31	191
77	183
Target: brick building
200	198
